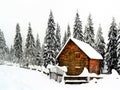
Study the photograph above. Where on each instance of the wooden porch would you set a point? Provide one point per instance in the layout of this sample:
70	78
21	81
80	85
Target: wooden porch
78	79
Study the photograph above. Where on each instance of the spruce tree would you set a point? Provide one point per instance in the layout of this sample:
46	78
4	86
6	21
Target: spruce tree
50	42
118	49
77	30
100	44
18	45
38	52
86	34
58	38
38	45
68	34
7	57
30	47
64	39
89	32
11	54
111	54
2	47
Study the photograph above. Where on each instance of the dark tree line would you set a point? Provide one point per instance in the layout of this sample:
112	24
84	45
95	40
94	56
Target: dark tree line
34	54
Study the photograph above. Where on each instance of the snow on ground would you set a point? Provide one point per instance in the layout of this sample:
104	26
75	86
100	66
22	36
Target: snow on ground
15	78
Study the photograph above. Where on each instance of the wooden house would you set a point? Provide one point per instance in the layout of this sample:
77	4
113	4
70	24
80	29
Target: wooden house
76	55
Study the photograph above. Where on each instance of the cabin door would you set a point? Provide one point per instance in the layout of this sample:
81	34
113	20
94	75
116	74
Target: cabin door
75	63
71	63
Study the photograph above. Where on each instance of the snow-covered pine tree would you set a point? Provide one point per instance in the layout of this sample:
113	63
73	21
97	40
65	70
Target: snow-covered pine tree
39	60
86	34
118	49
106	69
11	54
50	42
58	37
30	50
111	52
18	45
64	39
37	44
68	34
100	44
77	30
89	32
2	47
7	58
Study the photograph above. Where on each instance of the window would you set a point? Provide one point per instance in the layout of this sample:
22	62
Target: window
77	54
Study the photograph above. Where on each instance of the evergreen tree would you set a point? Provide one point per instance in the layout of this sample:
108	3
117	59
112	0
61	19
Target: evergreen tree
118	49
7	57
77	31
18	44
38	45
86	34
64	39
68	34
100	44
89	32
58	37
38	52
50	42
111	54
11	54
30	47
2	47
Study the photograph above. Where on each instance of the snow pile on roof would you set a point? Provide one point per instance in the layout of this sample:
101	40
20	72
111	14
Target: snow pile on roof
86	48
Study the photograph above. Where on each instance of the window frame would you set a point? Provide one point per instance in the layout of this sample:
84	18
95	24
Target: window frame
77	54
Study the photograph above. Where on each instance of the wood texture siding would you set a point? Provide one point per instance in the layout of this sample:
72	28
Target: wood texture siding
75	59
94	66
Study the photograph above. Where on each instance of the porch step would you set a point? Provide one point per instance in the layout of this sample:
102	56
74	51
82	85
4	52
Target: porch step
78	79
75	80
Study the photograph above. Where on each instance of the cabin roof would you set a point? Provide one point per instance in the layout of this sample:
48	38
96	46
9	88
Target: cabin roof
86	48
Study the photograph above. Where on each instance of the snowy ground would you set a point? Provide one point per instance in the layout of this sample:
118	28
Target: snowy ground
15	78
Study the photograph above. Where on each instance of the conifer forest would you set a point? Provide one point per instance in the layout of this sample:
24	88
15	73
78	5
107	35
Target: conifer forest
33	52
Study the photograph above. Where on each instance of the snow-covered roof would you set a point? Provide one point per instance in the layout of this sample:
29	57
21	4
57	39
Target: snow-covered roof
86	48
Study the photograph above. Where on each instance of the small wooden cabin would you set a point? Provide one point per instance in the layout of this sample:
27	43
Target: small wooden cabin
76	55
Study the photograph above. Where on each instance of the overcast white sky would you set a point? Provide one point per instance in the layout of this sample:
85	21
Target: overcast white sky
37	12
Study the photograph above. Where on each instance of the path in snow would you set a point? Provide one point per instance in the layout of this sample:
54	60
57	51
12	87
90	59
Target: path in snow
15	78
